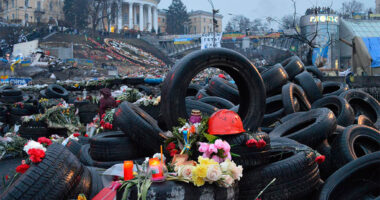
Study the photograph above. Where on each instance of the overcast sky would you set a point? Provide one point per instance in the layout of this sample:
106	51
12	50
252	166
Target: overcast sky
260	8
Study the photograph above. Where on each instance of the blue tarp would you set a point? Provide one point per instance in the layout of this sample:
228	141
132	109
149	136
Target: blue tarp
373	46
320	53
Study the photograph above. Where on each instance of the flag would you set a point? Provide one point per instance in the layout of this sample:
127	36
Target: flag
17	61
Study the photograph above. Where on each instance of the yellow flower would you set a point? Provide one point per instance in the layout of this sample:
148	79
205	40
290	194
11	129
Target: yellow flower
200	171
206	161
198	181
76	85
82	197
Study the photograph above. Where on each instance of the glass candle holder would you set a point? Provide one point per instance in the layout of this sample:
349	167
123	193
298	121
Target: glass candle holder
128	170
196	117
157	170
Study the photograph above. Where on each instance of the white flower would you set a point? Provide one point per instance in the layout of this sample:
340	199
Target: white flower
33	145
214	173
227	180
186	171
237	172
226	165
186	126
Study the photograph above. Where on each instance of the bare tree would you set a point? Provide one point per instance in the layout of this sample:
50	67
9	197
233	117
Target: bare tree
288	22
100	11
350	7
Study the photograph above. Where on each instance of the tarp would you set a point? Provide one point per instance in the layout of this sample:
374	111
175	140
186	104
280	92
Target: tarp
373	46
25	48
361	59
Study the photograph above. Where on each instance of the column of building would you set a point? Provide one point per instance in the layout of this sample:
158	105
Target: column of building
148	22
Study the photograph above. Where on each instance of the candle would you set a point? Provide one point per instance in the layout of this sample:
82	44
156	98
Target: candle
156	170
128	170
162	157
195	117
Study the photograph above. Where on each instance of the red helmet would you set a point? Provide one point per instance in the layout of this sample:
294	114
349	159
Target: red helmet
222	76
225	122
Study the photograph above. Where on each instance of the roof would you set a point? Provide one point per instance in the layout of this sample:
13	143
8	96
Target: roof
363	28
202	12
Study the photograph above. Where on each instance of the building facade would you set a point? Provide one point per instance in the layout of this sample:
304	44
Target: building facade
377	6
139	15
31	11
162	21
201	22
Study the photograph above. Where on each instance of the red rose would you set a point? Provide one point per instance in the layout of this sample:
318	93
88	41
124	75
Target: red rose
76	134
111	126
107	125
36	155
103	116
170	146
261	144
102	122
173	152
96	120
320	159
85	135
251	142
118	101
44	140
6	177
20	169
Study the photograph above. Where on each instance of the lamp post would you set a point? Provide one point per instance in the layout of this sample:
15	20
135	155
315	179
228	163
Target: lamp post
214	22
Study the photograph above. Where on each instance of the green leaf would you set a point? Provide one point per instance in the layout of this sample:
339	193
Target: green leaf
210	138
234	154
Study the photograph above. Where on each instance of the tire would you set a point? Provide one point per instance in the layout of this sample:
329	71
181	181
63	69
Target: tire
114	146
333	88
11	99
249	82
273	110
357	173
86	159
84	185
235	108
291	91
315	72
327	167
296	175
83	140
218	102
193	90
201	94
343	112
87	117
180	190
354	142
241	139
206	109
293	66
53	178
310	128
153	111
363	120
33	132
364	104
144	89
139	126
56	91
319	84
43	94
274	78
74	147
133	80
306	81
10	91
221	88
96	182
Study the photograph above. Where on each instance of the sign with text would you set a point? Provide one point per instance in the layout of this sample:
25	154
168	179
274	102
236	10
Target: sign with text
207	40
16	81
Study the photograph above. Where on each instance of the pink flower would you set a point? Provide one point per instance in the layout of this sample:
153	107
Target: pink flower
203	147
219	144
212	149
226	147
261	144
206	155
251	142
228	155
217	158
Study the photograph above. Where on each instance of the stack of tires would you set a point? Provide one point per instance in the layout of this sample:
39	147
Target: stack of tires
87	111
60	175
33	130
54	91
106	149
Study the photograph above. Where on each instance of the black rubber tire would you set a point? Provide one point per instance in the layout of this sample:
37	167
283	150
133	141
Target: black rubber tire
274	110
222	88
289	117
364	104
144	89
206	109
87	117
241	139
86	159
333	88
247	78
218	102
74	147
139	126
56	91
202	93
84	185
291	91
10	91
354	142
364	120
351	181
53	178
319	84
343	112
327	167
96	182
21	111
33	132
43	94
293	66
83	140
274	78
114	146
315	72
306	81
153	111
11	99
310	128
180	190
296	175
235	108
193	90
133	80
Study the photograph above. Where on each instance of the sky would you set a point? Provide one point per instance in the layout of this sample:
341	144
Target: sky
261	8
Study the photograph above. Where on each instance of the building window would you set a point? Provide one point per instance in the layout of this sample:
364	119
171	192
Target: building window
204	29
13	3
26	17
51	6
204	19
13	16
38	5
27	3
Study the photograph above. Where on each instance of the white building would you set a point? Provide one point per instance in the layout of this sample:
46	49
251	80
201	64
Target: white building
140	15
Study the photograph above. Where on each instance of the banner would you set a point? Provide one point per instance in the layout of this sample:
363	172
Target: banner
16	81
207	40
183	40
320	55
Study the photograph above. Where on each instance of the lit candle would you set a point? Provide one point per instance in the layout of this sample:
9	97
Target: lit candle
128	170
155	167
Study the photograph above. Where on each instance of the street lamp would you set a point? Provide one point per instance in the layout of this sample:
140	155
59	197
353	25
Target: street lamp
214	22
